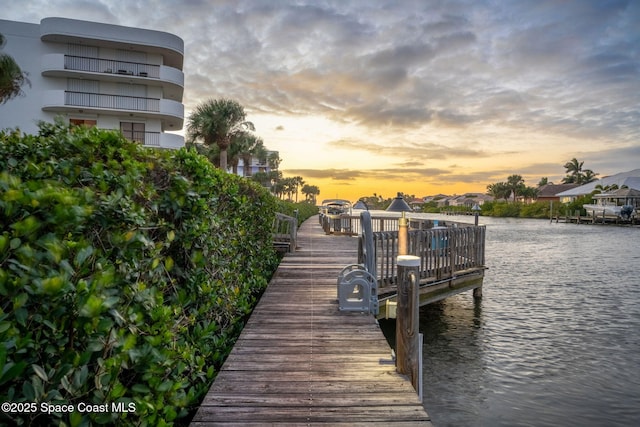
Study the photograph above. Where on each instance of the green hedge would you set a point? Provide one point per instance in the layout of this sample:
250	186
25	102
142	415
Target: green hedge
305	210
125	274
532	210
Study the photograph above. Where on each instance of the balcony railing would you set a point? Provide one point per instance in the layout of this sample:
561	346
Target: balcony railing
113	102
97	65
151	139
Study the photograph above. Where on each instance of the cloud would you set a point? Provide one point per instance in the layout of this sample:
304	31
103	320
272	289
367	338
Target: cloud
335	174
435	81
443	65
411	151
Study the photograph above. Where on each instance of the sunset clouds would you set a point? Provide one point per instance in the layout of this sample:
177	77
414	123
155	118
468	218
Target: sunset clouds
416	93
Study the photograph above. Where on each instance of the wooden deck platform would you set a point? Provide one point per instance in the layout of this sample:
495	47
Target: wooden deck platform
300	361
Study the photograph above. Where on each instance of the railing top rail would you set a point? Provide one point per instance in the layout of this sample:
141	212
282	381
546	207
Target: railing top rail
108	95
120	61
283	216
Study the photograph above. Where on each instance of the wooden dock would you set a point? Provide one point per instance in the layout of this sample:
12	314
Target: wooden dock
300	361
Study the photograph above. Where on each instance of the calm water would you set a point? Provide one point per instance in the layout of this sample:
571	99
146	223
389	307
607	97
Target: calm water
555	341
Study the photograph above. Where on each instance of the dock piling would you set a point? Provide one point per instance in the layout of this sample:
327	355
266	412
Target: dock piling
407	322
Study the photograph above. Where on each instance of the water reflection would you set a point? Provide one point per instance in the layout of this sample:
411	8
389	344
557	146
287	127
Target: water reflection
453	357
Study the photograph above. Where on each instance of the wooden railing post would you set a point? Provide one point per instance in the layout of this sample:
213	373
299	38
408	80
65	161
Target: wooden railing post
407	331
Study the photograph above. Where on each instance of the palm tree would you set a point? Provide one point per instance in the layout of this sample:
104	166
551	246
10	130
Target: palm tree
288	187
244	146
499	190
574	168
588	176
297	181
576	175
11	76
529	193
253	147
607	188
515	184
310	192
273	161
218	122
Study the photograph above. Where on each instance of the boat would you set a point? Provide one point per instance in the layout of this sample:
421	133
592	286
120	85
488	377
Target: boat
334	216
335	207
623	203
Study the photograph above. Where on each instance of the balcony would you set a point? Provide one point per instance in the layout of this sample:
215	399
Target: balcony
170	79
64	30
112	102
171	113
156	139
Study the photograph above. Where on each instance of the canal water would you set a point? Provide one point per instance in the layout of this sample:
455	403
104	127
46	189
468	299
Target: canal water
555	340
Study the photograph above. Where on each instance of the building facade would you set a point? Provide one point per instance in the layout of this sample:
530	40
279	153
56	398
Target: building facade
256	164
103	75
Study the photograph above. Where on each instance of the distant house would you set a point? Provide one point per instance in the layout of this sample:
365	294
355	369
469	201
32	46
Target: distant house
629	179
427	199
470	199
549	192
416	203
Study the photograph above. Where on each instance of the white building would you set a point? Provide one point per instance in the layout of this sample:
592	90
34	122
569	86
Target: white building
113	77
255	165
629	179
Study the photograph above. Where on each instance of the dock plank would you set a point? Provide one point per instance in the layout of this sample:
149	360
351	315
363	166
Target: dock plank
300	361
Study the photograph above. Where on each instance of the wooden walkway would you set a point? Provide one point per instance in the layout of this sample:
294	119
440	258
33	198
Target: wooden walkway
300	361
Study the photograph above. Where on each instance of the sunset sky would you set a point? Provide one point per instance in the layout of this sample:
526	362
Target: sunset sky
422	97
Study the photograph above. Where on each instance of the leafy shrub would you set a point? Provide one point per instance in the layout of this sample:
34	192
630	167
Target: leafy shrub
501	209
125	273
575	207
305	210
535	210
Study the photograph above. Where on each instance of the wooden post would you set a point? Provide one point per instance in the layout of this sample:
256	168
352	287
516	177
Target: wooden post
403	235
407	320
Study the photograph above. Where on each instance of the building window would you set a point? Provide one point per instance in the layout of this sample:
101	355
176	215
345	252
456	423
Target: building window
133	131
83	122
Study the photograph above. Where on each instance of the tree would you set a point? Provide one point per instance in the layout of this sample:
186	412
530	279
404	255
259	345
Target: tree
515	184
264	178
11	76
254	147
245	145
273	161
544	181
607	188
573	170
589	176
310	192
575	173
499	190
298	181
218	122
529	193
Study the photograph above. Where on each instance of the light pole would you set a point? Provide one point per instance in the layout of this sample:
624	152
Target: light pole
476	210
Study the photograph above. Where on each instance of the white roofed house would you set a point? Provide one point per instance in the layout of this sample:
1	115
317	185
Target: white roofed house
615	195
103	75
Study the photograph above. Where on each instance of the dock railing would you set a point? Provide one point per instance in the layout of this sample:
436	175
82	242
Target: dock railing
285	232
351	225
446	249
